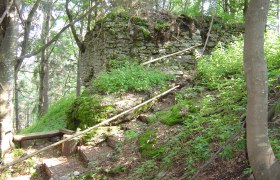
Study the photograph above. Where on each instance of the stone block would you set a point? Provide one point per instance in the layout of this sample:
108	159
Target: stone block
97	154
69	147
27	143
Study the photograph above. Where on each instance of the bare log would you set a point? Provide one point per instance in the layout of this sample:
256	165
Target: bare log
169	55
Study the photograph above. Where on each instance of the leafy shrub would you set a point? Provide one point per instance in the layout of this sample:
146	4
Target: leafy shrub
129	77
223	63
118	62
272	50
227	62
145	31
137	20
161	25
54	119
86	111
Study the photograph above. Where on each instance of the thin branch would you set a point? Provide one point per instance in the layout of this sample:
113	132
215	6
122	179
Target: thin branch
27	29
32	11
87	130
6	11
24	71
55	38
208	35
19	14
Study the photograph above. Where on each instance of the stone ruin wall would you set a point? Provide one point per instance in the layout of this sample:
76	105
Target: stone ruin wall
114	37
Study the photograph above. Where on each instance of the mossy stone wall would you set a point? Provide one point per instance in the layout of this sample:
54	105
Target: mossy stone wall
120	35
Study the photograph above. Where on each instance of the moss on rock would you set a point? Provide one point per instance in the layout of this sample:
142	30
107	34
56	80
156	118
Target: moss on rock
86	111
176	114
147	142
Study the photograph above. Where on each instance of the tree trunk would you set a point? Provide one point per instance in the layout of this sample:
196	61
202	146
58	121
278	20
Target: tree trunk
44	64
18	62
7	56
226	6
245	9
278	18
80	45
16	102
261	156
202	7
163	4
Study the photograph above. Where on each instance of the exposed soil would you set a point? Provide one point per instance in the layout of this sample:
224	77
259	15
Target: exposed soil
221	169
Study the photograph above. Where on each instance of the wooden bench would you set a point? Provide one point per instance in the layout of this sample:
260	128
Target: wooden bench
26	139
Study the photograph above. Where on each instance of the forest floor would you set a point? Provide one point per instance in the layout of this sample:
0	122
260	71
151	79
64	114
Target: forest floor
171	138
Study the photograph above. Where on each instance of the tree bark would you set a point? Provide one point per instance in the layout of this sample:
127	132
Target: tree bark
278	18
202	7
7	56
226	6
44	64
261	156
245	9
80	45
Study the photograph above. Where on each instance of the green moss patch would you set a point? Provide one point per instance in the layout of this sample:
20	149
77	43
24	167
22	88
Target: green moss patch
176	114
87	111
147	143
161	25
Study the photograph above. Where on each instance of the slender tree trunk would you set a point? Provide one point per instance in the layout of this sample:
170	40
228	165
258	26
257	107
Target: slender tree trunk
278	18
80	45
226	6
186	5
163	4
202	7
89	16
7	56
44	64
16	102
261	156
78	82
18	62
245	9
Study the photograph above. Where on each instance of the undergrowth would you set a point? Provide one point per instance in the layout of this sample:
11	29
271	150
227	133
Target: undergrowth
54	119
129	77
121	76
210	112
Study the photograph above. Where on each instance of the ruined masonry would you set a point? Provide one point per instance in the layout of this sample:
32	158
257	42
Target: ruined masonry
133	37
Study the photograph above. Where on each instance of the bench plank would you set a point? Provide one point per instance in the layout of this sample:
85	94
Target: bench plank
39	135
